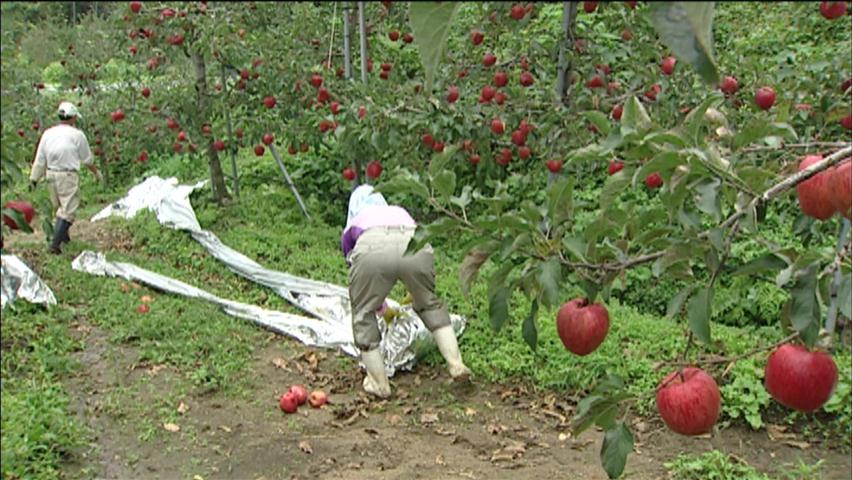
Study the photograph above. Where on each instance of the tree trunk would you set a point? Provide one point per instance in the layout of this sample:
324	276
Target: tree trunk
347	43
569	14
232	148
217	178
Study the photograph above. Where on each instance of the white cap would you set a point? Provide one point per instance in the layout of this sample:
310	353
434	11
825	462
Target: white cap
68	109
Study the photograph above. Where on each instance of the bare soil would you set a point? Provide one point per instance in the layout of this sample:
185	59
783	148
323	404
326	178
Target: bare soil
431	428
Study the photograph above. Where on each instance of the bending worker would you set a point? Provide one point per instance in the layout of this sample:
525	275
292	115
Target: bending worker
374	240
60	152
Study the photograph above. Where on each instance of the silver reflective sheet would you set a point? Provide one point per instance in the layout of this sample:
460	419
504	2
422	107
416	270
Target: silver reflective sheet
17	280
403	341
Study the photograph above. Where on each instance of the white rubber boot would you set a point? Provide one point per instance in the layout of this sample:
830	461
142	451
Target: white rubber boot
376	381
445	337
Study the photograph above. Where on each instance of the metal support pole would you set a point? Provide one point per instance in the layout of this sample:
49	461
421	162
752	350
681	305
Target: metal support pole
362	29
287	180
347	43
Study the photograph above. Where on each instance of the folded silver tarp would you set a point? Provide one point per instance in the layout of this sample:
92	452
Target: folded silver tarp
403	341
17	280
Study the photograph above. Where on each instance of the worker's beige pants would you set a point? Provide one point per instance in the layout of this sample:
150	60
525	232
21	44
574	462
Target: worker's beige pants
64	188
377	264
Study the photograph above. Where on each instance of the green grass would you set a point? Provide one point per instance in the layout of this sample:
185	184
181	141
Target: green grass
716	465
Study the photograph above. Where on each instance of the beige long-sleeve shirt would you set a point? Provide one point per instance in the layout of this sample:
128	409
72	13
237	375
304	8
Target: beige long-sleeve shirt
61	148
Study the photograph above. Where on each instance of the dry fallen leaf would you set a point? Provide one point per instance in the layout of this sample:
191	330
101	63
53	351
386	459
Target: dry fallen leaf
564	436
445	433
156	369
428	418
470	412
495	429
779	433
171	427
146	299
439	460
305	447
197	477
182	408
280	363
394	419
797	444
135	285
225	429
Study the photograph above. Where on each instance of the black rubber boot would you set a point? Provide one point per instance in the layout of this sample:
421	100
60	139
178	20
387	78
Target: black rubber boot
66	238
60	230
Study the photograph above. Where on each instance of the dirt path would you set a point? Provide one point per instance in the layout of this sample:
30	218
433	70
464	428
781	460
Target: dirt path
429	429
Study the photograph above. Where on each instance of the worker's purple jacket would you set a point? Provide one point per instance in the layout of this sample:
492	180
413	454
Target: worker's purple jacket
373	216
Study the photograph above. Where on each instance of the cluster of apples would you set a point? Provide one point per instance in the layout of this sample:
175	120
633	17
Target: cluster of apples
688	399
297	395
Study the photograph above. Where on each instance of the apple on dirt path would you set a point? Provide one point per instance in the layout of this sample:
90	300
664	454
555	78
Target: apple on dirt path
689	401
582	325
317	398
300	393
800	379
288	402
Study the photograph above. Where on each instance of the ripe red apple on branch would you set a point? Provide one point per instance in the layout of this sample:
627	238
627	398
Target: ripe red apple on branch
689	401
800	379
582	326
815	198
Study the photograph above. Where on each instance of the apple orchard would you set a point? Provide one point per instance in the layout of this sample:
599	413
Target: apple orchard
570	145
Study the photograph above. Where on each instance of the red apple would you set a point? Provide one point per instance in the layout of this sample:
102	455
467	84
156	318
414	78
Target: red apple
452	94
259	150
304	148
840	186
146	92
654	180
269	102
288	403
144	308
323	95
267	138
595	82
519	137
668	65
832	10
504	157
499	98
135	7
407	38
172	123
177	147
25	208
501	79
349	174
300	393
143	157
473	159
362	112
554	165
393	35
617	111
764	98
117	116
614	167
374	169
476	37
386	67
590	7
292	149
206	129
316	80
518	12
582	326
626	35
729	85
384	75
524	153
219	145
814	193
438	147
489	59
488	92
497	126
631	4
846	122
317	398
689	401
526	79
800	379
427	140
334	107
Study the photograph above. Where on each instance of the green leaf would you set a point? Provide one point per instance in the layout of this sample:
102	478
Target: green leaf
804	309
418	240
613	187
440	161
575	246
663	163
430	22
498	306
473	261
404	183
687	29
676	303
617	445
707	197
844	295
634	117
18	218
529	330
759	129
590	288
763	263
699	312
445	183
549	278
560	200
600	120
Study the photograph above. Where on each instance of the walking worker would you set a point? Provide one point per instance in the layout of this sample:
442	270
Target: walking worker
61	150
374	240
